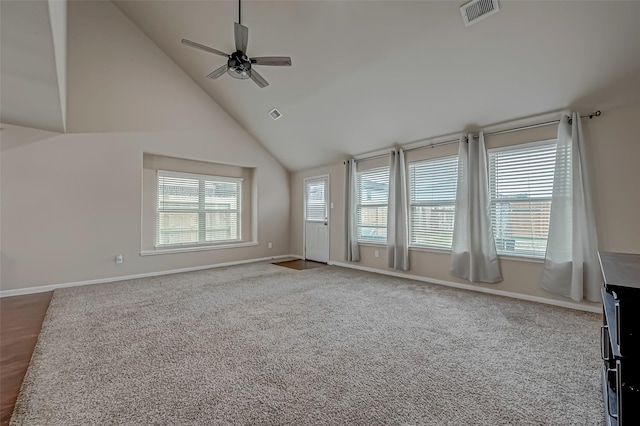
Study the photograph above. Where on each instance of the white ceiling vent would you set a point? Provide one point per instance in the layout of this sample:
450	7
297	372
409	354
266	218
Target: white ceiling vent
477	10
275	114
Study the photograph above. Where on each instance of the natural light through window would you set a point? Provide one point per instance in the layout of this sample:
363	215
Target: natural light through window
197	209
432	201
520	188
371	209
316	201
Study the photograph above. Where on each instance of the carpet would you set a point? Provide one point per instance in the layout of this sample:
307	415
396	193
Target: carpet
262	344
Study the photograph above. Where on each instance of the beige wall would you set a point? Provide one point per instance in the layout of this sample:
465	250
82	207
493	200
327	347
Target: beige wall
615	160
71	202
614	152
119	81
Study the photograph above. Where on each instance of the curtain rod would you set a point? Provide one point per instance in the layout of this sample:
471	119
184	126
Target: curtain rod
547	123
499	132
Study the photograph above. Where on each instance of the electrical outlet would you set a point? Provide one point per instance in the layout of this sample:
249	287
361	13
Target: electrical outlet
119	259
377	253
270	245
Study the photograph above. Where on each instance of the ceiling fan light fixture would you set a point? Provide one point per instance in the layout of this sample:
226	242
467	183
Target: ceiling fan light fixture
238	63
238	73
239	66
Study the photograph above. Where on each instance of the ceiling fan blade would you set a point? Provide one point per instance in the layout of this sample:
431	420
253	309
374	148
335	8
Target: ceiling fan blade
203	47
279	61
259	80
242	37
217	73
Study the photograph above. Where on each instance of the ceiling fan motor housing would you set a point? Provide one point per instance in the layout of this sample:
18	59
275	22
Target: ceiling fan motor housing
239	65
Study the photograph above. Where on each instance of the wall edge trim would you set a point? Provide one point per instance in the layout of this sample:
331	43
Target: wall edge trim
51	287
529	298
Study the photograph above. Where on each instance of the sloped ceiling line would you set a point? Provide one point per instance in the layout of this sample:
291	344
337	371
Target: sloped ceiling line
367	74
32	64
58	19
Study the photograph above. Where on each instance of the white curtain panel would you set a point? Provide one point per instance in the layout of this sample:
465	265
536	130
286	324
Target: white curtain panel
397	218
571	266
352	249
473	250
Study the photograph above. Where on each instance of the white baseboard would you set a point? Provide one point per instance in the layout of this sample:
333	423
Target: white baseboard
295	256
51	287
562	303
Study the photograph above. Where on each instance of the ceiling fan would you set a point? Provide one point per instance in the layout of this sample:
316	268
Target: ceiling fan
239	65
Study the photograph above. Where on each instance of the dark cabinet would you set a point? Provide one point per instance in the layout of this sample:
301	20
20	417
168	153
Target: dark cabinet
620	338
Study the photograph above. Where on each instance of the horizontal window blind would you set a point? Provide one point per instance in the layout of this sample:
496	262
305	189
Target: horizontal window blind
197	209
432	199
520	189
316	200
372	198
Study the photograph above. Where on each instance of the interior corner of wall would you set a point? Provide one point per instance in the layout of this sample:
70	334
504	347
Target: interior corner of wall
58	21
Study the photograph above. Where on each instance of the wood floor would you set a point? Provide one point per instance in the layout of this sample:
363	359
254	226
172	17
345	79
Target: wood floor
20	323
301	264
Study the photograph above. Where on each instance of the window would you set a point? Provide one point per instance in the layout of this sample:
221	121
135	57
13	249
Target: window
371	204
316	200
520	188
432	202
197	209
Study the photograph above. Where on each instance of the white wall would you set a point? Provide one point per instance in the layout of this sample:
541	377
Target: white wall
613	150
71	202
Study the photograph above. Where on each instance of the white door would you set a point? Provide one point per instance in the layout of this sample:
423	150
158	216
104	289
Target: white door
316	218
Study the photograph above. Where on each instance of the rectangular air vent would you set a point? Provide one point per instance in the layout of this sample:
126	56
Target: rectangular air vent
477	10
275	114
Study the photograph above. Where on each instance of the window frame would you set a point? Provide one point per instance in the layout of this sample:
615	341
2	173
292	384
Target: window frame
526	256
412	204
202	211
359	205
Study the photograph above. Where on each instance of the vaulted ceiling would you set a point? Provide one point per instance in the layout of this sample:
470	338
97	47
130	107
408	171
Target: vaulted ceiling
367	75
32	64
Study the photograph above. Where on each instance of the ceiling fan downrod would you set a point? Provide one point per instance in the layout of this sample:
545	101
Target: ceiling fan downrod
239	65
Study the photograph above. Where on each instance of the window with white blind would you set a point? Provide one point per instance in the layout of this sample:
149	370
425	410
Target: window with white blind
372	198
432	201
197	209
520	188
316	200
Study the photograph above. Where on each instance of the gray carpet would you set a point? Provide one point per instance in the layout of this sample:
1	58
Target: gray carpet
263	344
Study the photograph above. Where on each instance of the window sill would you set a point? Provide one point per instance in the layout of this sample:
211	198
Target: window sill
448	251
501	256
430	249
371	243
200	248
522	258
